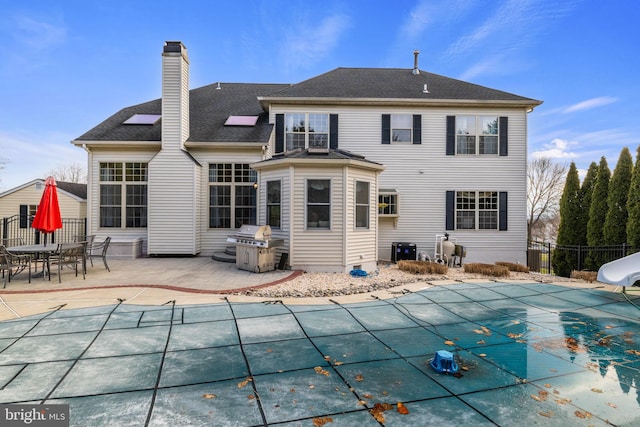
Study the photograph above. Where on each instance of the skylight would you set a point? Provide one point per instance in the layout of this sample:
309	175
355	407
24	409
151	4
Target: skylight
142	119
241	121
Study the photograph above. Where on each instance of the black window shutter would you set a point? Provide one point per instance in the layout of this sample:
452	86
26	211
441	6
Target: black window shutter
279	133
386	129
450	210
333	131
417	128
451	135
24	216
504	130
502	213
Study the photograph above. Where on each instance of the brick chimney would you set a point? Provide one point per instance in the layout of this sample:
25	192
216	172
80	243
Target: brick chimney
175	95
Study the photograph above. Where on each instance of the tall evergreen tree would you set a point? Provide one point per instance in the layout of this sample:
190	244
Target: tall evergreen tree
633	205
586	193
562	260
615	225
598	214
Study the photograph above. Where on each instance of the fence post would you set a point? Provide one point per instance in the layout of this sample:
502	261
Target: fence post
579	257
549	257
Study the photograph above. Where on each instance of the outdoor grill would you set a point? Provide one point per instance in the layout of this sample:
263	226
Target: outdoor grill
255	249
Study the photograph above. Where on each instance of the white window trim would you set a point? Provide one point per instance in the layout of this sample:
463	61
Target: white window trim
392	193
306	131
410	129
478	133
356	205
477	210
306	204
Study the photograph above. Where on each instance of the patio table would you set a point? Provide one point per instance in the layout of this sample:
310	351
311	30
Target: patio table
46	250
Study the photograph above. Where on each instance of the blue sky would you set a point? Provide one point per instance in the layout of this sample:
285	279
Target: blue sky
67	65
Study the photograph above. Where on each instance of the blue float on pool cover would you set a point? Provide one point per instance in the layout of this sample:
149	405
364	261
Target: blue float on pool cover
443	362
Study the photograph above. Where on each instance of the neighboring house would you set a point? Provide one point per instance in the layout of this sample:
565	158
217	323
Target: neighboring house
20	203
341	166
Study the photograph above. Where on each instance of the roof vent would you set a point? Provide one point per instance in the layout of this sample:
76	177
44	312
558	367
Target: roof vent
218	87
416	70
425	89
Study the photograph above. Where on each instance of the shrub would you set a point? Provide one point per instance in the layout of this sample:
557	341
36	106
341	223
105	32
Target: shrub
487	269
512	266
422	267
587	276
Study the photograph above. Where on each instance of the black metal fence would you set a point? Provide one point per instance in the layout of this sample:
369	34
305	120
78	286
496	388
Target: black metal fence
540	256
19	227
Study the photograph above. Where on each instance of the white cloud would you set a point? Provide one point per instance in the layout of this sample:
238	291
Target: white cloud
304	47
31	156
37	34
486	65
591	103
557	149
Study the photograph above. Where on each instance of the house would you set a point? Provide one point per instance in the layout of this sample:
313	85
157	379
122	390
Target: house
19	204
341	166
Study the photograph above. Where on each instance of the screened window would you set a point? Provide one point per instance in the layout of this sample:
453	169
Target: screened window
306	130
274	194
362	204
123	189
476	210
477	134
232	195
318	203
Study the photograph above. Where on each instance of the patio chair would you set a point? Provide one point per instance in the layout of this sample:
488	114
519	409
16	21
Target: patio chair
89	239
68	255
12	264
16	241
99	249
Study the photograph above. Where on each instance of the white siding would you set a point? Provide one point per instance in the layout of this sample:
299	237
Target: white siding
317	249
172	204
422	173
93	194
360	244
215	239
70	206
175	100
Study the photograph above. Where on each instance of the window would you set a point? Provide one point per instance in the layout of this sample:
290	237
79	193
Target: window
306	130
476	210
387	203
232	195
401	129
476	134
362	204
123	188
318	203
274	197
26	214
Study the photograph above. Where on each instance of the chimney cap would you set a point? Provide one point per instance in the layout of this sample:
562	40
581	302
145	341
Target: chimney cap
173	46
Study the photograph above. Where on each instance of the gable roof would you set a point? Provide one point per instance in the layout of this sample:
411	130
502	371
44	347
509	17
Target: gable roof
392	85
209	108
74	190
211	105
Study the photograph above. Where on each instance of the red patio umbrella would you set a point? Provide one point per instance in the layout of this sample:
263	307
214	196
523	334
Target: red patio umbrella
47	218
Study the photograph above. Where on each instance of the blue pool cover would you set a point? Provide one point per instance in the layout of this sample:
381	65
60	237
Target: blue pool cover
529	354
